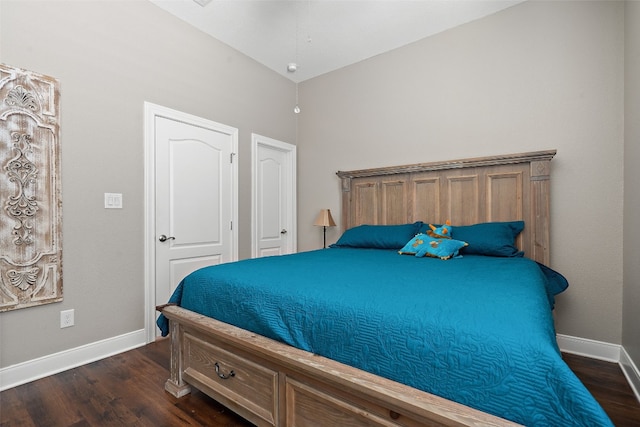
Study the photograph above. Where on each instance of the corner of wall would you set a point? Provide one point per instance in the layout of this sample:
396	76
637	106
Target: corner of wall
630	371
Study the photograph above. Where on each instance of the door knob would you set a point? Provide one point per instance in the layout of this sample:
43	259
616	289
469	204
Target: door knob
283	231
164	238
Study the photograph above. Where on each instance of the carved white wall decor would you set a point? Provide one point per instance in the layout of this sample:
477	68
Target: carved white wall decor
30	202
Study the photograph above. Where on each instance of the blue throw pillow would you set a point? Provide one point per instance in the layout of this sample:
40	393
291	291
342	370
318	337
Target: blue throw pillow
378	236
425	245
491	238
413	246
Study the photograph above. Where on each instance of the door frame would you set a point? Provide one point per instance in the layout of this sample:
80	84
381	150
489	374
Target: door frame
151	112
290	153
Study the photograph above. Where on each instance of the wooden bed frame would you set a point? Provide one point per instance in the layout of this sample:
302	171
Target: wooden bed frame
273	384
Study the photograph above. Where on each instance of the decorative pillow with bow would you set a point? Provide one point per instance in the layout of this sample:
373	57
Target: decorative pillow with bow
436	243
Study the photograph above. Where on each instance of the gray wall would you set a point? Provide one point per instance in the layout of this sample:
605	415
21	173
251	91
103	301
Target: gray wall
110	57
631	314
539	75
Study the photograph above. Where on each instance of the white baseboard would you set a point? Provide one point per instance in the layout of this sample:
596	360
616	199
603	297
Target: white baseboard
589	348
603	351
31	370
631	372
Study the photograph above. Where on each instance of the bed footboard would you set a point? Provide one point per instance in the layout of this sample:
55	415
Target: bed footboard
273	384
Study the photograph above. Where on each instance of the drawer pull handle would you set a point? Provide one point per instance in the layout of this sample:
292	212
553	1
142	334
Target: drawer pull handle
223	376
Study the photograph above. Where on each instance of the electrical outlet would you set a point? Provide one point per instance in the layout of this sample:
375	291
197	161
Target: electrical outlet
66	318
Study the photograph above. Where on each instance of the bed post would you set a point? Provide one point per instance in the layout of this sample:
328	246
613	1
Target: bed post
540	211
175	384
346	203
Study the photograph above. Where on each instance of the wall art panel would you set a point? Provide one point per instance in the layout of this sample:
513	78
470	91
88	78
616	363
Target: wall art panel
30	194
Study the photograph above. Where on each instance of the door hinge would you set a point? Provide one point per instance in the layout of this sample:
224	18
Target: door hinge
231	157
231	226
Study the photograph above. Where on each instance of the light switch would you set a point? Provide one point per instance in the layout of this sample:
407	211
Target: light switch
113	200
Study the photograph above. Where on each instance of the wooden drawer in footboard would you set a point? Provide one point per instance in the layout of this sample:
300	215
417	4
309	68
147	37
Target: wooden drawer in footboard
245	386
313	404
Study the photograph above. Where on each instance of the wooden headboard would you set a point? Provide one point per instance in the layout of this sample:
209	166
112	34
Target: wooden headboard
467	191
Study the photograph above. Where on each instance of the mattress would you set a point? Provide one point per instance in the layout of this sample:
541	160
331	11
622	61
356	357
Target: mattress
474	329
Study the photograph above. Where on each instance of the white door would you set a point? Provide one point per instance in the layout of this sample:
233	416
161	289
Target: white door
195	203
274	201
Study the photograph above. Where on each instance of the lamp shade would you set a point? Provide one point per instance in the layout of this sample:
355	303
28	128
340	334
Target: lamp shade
324	219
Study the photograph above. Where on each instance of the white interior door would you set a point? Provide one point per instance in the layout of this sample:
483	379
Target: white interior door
195	203
274	201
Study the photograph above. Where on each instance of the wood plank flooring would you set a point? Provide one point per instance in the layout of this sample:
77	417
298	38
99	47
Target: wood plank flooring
608	385
128	390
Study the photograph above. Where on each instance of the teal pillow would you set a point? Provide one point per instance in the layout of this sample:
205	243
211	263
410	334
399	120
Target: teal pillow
413	246
378	236
424	245
491	238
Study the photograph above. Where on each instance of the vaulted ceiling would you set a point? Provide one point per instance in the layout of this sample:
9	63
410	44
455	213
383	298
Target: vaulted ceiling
320	36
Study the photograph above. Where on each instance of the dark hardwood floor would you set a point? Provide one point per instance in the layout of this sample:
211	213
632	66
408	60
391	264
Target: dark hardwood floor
608	385
123	390
128	390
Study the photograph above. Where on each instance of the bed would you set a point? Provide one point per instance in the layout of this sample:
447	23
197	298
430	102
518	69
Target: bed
367	333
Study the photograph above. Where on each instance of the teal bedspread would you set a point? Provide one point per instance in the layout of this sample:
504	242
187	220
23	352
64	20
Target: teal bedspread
475	329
